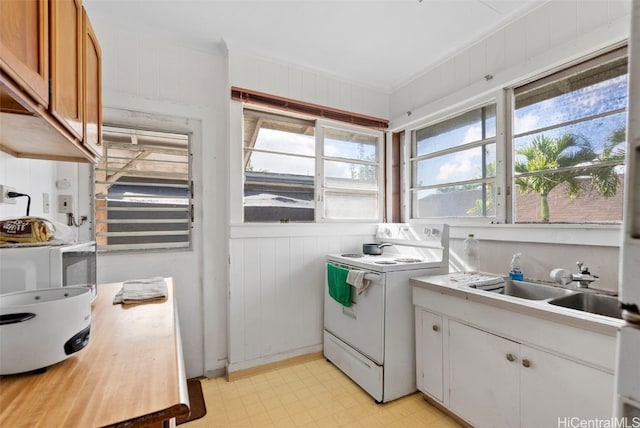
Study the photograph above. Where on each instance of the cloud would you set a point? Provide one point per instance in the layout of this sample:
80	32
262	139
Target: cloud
461	167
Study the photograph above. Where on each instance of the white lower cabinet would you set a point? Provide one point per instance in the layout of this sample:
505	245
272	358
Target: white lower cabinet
483	377
554	389
538	374
496	382
430	373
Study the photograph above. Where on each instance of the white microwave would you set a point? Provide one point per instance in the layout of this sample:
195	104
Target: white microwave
48	266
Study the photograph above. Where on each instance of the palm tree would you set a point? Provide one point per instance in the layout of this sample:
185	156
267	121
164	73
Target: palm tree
564	156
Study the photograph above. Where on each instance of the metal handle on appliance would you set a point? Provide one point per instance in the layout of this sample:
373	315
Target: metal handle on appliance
16	318
372	276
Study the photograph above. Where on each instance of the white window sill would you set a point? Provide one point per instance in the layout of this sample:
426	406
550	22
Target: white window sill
276	230
572	234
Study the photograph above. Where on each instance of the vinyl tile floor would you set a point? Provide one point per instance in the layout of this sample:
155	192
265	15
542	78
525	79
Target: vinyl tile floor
311	394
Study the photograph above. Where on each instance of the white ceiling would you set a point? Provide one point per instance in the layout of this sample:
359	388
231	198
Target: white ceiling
381	44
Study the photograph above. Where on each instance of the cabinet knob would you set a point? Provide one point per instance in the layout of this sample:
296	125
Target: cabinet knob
526	363
436	327
510	357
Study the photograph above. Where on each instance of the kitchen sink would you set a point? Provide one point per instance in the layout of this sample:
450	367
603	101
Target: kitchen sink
590	302
531	290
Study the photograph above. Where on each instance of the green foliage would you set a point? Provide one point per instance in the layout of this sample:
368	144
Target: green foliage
576	154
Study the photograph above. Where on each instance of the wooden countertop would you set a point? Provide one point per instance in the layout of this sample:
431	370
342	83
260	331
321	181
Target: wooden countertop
130	374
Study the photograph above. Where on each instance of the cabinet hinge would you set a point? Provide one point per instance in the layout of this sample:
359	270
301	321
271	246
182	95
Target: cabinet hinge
191	213
191	188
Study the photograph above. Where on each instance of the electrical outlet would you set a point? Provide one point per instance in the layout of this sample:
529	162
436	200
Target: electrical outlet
3	194
65	204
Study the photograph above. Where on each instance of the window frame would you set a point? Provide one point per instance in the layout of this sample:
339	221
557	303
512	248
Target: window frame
504	99
320	189
166	246
563	72
414	159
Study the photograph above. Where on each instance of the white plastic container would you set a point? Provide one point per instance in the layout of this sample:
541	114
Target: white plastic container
39	328
471	254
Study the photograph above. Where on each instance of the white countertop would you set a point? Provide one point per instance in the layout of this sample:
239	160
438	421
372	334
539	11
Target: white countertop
446	284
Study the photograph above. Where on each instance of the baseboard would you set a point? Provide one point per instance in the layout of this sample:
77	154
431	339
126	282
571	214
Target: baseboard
263	368
211	374
448	412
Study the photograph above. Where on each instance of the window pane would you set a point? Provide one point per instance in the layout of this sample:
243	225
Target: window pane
350	175
588	93
590	206
571	125
350	145
278	164
459	166
463	129
598	135
142	190
345	180
284	193
456	201
278	205
285	142
350	206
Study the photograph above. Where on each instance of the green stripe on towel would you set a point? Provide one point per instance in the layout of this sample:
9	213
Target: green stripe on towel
338	287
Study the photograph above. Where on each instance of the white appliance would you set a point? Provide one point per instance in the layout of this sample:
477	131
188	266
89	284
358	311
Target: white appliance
30	267
628	360
39	328
373	341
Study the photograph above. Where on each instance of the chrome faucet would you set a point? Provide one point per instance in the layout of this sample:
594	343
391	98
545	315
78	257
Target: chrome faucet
584	278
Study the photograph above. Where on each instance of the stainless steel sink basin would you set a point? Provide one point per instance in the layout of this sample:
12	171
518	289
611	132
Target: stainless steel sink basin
531	290
590	302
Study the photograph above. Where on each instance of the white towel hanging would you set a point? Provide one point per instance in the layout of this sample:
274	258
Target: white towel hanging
358	280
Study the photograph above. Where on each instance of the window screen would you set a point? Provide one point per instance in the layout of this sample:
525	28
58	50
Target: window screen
143	190
569	140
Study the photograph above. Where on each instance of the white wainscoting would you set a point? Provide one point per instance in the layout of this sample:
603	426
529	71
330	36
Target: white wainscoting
276	286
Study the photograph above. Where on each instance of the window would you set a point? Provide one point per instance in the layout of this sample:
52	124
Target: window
143	190
563	162
454	166
350	163
568	144
302	170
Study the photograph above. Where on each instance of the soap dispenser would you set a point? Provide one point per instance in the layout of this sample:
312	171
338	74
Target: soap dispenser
516	268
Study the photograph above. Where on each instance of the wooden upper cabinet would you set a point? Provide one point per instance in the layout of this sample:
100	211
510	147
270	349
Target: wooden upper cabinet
50	81
67	58
24	45
92	88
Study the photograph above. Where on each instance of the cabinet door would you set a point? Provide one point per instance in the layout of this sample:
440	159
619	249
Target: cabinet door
24	45
483	377
554	388
430	369
92	88
66	64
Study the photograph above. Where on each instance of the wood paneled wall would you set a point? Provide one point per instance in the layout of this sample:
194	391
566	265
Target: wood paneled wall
276	293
